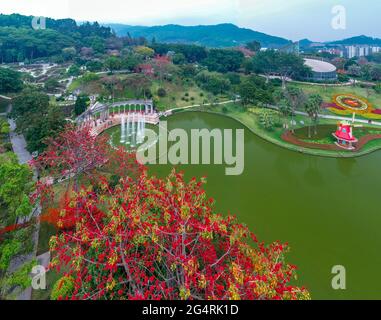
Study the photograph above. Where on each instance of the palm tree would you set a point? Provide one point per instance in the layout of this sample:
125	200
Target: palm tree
285	110
312	107
296	99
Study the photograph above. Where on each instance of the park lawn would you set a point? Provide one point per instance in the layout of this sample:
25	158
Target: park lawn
328	92
179	95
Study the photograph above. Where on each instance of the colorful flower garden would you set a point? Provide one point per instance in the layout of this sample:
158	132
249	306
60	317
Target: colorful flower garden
348	104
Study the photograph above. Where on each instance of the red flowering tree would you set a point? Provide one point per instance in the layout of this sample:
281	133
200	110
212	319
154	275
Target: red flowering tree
150	238
73	152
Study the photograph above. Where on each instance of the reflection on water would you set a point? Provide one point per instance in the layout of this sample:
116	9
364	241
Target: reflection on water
327	209
346	166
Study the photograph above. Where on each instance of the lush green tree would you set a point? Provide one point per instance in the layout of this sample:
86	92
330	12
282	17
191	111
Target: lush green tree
179	58
286	111
94	66
283	64
255	90
296	99
192	53
113	64
145	52
81	104
10	81
223	60
266	119
36	118
254	46
161	92
213	82
69	54
375	72
234	78
15	187
188	70
74	71
4	127
312	107
51	84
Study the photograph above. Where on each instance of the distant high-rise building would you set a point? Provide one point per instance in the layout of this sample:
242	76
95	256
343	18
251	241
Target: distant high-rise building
350	52
360	51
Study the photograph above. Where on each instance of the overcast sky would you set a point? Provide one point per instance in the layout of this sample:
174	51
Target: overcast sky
293	19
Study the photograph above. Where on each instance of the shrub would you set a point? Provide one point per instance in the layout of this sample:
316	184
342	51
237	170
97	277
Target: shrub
161	92
62	288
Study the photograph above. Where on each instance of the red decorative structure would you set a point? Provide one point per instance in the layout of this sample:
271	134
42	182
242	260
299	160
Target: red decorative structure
344	136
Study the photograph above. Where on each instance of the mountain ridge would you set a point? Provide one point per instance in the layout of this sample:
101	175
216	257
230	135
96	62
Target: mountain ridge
219	35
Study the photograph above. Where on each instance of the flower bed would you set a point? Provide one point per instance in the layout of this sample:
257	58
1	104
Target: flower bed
348	104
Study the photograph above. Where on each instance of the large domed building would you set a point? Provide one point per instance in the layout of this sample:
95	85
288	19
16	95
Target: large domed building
321	71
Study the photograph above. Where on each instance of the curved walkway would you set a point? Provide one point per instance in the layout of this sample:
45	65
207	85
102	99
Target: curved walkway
19	148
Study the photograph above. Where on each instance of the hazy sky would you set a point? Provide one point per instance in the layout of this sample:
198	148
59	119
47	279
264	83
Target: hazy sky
293	19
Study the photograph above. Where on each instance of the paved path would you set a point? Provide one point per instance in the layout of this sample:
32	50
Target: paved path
44	260
326	116
199	105
19	144
19	148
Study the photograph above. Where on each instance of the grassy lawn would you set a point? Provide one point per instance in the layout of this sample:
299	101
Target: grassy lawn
46	232
179	95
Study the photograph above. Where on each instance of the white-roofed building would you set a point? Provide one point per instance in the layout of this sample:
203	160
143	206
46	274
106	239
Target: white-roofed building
321	70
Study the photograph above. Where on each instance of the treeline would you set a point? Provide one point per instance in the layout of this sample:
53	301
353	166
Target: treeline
20	42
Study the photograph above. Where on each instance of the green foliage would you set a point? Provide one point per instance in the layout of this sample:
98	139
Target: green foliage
63	288
113	64
61	37
179	58
223	60
285	64
253	46
15	186
192	53
10	81
267	119
51	84
94	66
20	278
215	36
234	78
213	82
255	90
74	71
9	249
81	104
36	118
4	127
69	54
89	77
377	88
161	92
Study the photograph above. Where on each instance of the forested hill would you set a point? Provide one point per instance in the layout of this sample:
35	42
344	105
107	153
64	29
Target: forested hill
360	40
221	35
20	42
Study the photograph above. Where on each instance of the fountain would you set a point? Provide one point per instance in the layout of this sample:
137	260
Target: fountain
133	126
123	125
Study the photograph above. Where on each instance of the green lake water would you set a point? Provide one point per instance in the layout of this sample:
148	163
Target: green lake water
328	210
